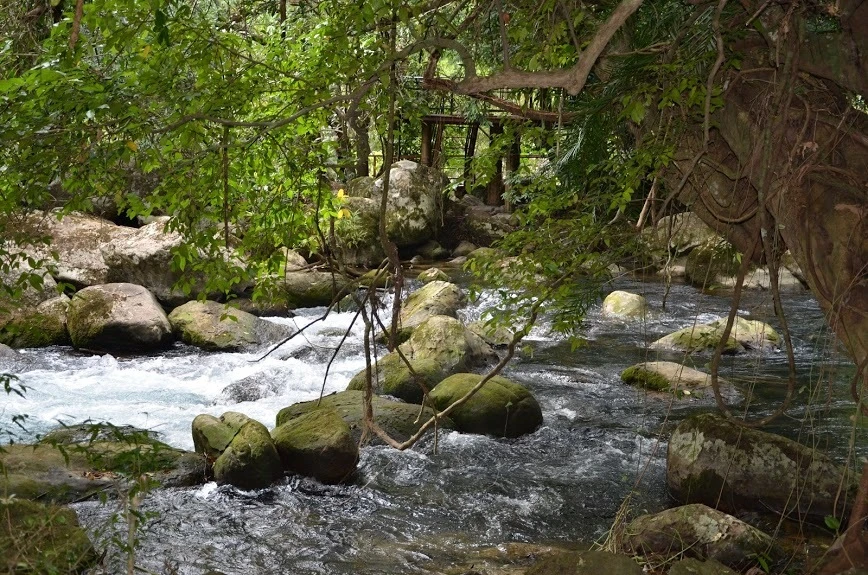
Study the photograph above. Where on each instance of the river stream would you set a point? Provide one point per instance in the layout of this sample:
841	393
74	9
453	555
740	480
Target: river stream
433	508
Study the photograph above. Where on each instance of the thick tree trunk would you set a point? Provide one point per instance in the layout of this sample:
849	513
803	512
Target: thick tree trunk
816	194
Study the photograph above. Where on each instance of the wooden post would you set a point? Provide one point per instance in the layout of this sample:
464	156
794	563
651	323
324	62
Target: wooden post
513	162
469	152
495	186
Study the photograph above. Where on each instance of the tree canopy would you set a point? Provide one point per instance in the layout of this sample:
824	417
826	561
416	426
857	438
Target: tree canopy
235	118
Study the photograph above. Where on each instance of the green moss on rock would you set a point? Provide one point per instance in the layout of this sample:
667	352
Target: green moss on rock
250	461
501	407
400	420
318	444
394	378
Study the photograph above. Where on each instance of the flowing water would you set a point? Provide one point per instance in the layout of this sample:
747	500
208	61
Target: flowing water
433	507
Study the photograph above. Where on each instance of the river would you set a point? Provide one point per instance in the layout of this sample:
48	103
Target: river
422	511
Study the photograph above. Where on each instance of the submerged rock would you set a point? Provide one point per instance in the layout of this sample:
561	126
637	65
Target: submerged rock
400	420
623	304
715	461
585	563
667	377
215	327
446	341
501	407
433	274
394	378
745	334
117	318
7	352
38	538
69	467
318	444
698	531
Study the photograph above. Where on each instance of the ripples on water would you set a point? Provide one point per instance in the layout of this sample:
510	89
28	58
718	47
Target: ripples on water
419	511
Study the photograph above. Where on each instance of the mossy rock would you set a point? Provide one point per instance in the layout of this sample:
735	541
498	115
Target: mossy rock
318	444
625	305
433	274
432	299
212	435
73	472
250	461
449	343
37	538
698	531
585	563
745	334
715	461
400	420
41	326
485	254
311	288
698	338
501	408
394	378
213	326
495	336
708	262
667	377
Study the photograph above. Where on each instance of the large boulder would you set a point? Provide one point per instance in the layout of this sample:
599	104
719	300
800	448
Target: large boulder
71	468
715	461
745	334
311	288
709	262
144	257
434	298
78	240
117	318
623	304
667	377
318	444
215	327
400	420
38	538
448	342
698	531
248	461
501	407
393	377
32	285
414	204
41	326
679	234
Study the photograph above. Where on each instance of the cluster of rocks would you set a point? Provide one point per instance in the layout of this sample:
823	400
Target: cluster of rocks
683	246
718	469
425	375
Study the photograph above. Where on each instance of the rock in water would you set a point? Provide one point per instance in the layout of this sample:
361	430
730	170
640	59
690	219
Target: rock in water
318	444
112	318
215	327
400	420
446	341
435	298
501	408
717	462
250	461
623	304
394	378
